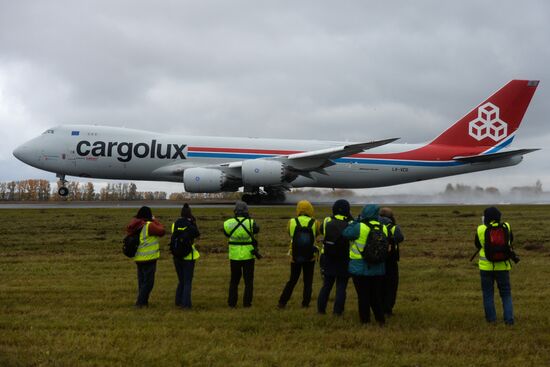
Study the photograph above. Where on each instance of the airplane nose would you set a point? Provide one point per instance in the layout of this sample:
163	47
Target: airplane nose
21	152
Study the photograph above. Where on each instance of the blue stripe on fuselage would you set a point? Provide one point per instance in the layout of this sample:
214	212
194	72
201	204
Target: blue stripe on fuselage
339	160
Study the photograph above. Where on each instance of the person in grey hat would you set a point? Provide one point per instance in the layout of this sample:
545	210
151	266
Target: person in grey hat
240	231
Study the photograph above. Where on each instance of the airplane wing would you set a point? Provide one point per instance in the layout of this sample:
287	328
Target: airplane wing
288	167
493	156
341	151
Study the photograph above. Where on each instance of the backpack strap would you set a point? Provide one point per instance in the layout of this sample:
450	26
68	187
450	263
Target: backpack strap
240	224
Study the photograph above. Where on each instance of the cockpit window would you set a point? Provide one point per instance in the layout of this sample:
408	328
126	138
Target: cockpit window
49	131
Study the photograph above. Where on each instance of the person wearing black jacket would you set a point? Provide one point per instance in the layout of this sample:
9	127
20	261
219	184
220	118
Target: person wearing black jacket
391	279
335	257
185	266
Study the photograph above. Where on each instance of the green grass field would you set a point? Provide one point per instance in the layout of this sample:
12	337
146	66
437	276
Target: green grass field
66	297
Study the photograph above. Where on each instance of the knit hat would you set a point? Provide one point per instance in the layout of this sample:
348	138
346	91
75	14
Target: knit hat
341	207
186	211
145	213
241	208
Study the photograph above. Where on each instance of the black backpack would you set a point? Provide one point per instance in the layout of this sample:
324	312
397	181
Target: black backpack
335	245
497	247
303	241
181	243
376	248
130	244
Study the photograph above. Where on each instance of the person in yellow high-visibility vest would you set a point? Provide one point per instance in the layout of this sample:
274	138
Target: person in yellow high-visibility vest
184	233
147	253
303	231
490	268
240	231
367	277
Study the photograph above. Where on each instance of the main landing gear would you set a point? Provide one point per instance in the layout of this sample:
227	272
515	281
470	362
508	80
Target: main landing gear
63	190
267	196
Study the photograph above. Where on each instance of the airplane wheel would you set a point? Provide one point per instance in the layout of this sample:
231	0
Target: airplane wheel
63	191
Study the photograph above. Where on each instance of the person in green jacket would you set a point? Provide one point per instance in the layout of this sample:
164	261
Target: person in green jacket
240	231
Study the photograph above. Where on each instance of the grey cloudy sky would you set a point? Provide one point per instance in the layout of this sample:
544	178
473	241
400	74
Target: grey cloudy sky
353	70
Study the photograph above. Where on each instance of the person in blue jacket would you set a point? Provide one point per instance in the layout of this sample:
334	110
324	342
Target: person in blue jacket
367	278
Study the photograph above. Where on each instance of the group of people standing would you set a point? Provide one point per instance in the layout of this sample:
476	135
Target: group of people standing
346	247
340	257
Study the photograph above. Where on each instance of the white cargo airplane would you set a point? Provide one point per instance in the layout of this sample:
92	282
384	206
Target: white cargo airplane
267	167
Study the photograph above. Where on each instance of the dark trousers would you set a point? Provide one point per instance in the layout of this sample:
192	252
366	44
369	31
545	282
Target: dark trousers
502	278
146	280
185	270
369	296
295	270
340	299
391	281
244	268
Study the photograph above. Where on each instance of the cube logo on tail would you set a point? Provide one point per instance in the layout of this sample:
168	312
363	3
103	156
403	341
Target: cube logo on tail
488	124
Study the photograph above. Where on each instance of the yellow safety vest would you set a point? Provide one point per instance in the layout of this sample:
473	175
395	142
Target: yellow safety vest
148	248
240	242
194	255
485	264
358	245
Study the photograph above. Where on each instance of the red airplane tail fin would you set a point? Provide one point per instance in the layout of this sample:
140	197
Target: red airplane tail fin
494	121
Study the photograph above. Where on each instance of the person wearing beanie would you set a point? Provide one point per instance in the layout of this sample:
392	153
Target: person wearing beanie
335	257
391	279
148	252
367	277
240	231
493	240
184	234
303	231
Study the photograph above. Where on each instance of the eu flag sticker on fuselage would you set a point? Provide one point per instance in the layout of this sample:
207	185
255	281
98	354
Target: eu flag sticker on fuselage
75	133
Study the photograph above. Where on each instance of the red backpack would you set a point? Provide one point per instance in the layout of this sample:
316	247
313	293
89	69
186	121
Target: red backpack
497	243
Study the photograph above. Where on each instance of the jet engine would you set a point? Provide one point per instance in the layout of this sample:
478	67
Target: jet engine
206	180
263	172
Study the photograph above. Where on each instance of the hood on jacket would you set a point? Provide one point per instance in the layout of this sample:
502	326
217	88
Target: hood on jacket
304	207
370	212
491	214
341	207
135	225
241	209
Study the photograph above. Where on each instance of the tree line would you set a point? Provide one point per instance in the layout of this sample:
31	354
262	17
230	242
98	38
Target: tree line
42	190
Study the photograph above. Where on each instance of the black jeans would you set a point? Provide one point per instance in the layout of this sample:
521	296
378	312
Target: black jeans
146	280
185	270
391	281
340	299
369	296
244	268
295	270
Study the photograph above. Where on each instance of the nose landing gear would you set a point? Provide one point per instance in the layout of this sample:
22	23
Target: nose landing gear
63	190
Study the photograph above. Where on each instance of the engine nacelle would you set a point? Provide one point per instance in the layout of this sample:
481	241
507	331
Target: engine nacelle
205	180
263	172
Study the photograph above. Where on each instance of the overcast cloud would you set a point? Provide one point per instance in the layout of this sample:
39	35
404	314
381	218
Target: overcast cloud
354	70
